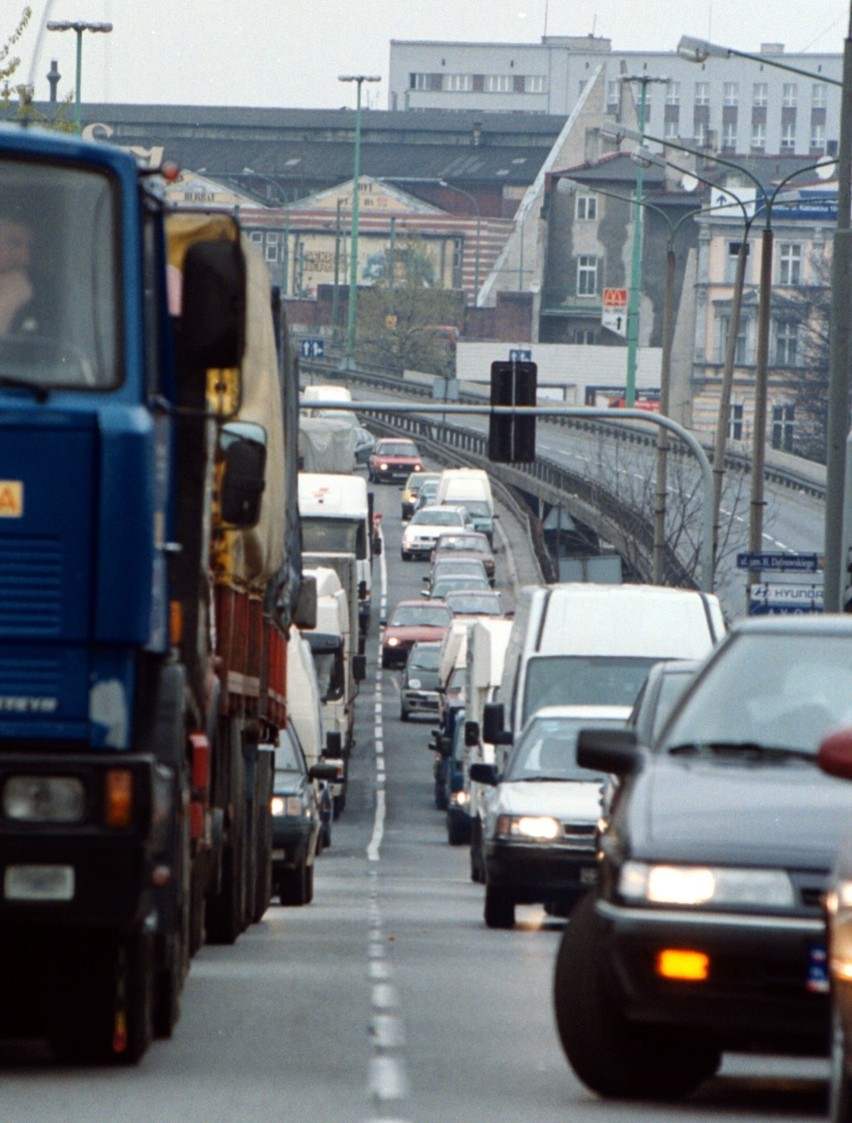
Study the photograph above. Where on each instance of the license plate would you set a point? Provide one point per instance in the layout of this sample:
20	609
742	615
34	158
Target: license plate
277	854
39	883
817	969
589	875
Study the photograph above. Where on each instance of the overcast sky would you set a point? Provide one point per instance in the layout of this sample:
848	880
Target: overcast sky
290	53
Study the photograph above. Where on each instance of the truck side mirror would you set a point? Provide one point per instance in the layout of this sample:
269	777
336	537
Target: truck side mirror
242	451
359	667
471	733
493	719
333	745
305	615
213	311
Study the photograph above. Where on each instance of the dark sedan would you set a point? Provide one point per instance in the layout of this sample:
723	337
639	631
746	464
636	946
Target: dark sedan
705	932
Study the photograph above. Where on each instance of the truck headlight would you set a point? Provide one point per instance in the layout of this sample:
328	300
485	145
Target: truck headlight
658	884
44	799
541	828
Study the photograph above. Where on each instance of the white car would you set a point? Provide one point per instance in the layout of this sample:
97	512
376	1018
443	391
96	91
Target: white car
427	524
539	839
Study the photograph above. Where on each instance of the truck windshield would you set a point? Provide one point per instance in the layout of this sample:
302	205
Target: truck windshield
583	680
330	536
59	277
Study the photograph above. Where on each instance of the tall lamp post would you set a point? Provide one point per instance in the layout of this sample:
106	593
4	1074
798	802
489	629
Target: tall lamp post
359	80
79	26
838	525
467	195
758	456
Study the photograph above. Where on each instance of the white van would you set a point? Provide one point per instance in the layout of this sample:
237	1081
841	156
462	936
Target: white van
325	392
304	709
336	517
471	488
592	645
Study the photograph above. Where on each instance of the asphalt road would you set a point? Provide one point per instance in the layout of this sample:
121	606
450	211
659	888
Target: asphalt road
386	998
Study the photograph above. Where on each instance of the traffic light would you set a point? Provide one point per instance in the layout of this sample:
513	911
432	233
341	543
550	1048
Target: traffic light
511	439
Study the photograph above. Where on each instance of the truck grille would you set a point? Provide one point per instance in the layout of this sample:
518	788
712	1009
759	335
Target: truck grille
30	586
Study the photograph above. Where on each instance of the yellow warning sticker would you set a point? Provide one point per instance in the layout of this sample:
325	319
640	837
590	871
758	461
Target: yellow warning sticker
11	499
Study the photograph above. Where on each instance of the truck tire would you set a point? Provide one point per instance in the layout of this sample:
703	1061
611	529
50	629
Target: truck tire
295	887
103	1013
499	909
226	905
610	1055
458	830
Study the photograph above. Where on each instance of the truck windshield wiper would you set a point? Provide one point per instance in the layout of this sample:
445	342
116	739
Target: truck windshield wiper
745	748
38	389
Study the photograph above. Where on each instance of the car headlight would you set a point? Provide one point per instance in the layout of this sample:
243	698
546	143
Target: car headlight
542	828
392	641
285	805
660	884
459	799
838	906
413	684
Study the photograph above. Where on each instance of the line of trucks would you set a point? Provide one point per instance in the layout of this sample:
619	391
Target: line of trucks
154	596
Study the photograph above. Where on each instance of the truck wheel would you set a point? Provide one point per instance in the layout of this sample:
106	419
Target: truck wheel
610	1055
499	909
105	998
477	869
225	910
167	990
309	884
458	830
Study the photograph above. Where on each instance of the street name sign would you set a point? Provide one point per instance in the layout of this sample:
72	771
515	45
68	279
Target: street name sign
780	562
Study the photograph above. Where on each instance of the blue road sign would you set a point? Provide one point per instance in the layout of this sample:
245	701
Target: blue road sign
516	355
312	348
780	562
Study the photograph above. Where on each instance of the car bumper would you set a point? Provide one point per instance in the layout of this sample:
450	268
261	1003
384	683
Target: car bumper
765	984
394	472
291	842
419	549
531	873
421	702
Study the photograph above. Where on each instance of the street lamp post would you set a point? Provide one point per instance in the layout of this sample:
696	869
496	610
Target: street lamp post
763	316
78	26
467	195
699	50
359	80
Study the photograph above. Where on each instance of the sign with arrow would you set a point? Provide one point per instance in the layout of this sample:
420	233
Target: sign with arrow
614	311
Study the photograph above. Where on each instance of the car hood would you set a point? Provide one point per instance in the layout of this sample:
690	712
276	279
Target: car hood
416	633
575	800
775	812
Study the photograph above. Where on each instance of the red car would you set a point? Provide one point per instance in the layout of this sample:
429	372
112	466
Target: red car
393	458
413	621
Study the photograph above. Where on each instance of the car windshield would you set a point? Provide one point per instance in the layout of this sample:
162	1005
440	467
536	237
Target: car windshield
479	509
547	749
424	657
583	680
473	543
427	615
769	691
446	566
288	755
61	313
460	582
401	448
474	604
437	516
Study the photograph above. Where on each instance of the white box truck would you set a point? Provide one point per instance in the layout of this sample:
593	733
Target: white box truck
336	517
470	488
304	710
584	644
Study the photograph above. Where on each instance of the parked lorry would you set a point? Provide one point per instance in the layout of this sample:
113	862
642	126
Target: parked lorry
337	517
148	579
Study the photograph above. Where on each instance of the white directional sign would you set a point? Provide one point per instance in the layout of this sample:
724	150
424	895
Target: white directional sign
614	310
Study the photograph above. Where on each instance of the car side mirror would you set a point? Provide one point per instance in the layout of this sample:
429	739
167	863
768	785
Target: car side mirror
471	733
484	774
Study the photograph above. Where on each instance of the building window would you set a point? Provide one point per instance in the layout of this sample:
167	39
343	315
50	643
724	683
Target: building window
732	260
498	83
819	99
724	327
817	138
613	95
419	81
735	421
672	129
789	263
702	134
458	83
783	426
729	135
760	94
256	236
758	136
789	94
787	343
587	206
587	275
788	136
534	84
702	93
731	93
587	336
673	93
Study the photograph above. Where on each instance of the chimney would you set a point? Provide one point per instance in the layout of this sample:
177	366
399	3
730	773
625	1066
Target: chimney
53	77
